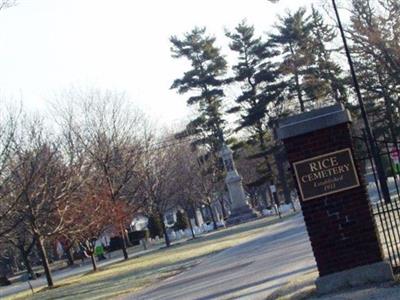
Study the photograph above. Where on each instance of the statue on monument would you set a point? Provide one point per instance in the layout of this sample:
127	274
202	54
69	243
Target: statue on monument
240	210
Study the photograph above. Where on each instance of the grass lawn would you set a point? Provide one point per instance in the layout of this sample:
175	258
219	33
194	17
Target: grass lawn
136	273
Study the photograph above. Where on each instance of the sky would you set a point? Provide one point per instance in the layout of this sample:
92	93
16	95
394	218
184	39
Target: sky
48	45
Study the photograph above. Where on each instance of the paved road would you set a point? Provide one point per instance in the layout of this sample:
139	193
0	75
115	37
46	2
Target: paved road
251	270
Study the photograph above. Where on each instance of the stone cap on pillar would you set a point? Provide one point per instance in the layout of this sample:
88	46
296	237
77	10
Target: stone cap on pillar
312	120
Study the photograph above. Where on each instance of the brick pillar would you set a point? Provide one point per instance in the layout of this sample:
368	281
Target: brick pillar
332	192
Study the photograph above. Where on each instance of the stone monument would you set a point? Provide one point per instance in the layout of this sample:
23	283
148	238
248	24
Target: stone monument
240	210
333	198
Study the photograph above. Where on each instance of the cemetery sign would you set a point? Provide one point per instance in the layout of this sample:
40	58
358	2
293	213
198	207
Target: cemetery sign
326	174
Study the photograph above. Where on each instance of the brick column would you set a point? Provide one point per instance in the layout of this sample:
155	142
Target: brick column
333	196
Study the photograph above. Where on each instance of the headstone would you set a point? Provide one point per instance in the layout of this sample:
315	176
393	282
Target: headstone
267	212
221	223
59	250
199	216
333	197
285	208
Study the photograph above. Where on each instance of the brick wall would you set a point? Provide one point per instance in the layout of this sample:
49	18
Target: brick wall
341	226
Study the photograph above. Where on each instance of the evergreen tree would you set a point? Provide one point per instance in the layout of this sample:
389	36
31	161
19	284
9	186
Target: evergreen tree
257	75
294	41
203	81
182	222
154	226
323	81
375	28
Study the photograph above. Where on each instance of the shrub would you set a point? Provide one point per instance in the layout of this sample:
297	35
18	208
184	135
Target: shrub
181	221
154	225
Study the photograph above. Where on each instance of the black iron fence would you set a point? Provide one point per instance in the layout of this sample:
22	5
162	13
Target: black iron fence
386	211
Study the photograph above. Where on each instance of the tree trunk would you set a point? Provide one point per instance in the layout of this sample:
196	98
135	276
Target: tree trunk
210	210
298	90
45	262
269	169
93	260
127	241
221	201
263	192
124	250
279	158
269	192
388	106
70	259
28	264
14	264
166	237
276	204
190	225
196	218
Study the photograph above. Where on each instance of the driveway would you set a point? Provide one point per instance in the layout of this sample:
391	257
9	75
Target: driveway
251	270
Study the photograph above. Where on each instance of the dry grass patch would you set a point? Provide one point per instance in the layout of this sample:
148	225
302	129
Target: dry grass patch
299	289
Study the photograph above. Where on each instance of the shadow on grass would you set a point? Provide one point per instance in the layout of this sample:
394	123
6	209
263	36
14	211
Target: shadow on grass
119	284
208	238
131	280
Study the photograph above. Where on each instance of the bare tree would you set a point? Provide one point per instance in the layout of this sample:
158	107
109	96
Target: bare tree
111	133
8	125
9	117
159	174
210	182
44	184
7	4
195	177
23	241
86	228
187	180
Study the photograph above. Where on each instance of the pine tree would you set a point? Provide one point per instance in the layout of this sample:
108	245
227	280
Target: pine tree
294	41
203	81
375	36
204	84
258	77
323	81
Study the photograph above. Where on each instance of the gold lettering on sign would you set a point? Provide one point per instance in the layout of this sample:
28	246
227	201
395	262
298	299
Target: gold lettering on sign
325	171
326	174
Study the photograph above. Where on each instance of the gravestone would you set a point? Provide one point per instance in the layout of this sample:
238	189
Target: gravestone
333	198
